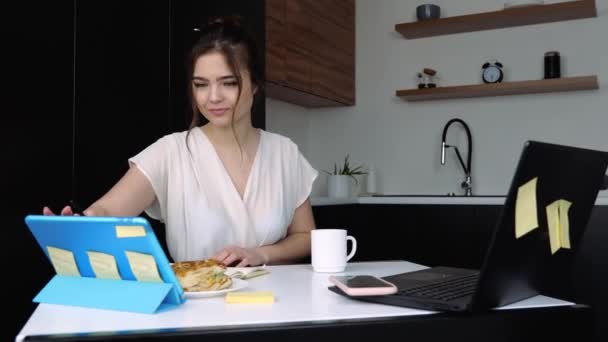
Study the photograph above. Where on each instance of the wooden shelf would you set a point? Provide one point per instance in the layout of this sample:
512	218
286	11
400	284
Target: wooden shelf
518	16
501	89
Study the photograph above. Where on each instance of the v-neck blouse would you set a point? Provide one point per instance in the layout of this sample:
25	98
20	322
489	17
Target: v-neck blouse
200	206
223	167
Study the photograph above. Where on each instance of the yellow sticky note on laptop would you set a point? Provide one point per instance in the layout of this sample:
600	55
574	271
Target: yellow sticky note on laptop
63	261
104	265
564	223
558	222
143	266
526	219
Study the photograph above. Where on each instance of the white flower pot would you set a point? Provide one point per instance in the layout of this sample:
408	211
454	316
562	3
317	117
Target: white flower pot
338	186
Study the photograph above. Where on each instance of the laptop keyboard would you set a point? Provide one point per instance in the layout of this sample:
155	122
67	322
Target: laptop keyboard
446	290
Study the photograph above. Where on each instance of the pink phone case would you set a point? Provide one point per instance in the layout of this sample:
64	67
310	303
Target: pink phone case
365	291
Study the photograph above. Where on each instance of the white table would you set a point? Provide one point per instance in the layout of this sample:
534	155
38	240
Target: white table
300	296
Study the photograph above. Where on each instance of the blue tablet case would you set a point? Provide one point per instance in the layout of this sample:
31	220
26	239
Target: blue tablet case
80	234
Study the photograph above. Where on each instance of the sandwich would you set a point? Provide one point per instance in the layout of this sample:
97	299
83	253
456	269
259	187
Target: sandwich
202	275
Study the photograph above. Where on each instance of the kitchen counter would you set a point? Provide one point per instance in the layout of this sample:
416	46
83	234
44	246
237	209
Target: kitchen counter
421	199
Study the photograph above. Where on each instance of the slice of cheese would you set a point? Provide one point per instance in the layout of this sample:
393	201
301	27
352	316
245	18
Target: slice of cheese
250	297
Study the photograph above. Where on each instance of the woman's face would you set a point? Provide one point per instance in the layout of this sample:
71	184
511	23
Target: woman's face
216	90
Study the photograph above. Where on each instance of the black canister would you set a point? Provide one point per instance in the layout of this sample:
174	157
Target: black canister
552	65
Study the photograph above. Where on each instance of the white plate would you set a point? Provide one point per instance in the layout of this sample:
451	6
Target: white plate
237	284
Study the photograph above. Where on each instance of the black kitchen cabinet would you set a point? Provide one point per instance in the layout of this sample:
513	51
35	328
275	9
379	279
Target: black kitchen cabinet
112	57
126	96
36	126
122	82
432	235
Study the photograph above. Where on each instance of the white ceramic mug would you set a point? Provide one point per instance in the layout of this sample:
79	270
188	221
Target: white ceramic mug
328	249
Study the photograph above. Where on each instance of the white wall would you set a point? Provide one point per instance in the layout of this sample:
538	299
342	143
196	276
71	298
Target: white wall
403	139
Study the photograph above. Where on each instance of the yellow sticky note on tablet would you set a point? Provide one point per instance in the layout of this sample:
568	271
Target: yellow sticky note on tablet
104	265
63	261
526	219
130	231
558	223
143	266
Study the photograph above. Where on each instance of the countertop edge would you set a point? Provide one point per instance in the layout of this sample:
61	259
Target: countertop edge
326	201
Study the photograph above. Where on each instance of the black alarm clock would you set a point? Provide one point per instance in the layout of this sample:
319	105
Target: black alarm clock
491	72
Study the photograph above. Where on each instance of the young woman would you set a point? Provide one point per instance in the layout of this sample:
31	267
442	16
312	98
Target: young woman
224	189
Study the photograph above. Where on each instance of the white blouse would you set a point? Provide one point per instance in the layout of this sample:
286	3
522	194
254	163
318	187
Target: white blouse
200	206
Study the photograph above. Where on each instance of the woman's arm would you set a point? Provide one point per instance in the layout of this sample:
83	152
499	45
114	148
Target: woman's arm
129	197
296	244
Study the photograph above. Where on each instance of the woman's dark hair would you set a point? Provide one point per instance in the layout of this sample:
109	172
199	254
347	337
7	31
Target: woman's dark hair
228	36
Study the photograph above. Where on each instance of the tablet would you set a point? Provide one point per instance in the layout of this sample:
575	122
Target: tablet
119	248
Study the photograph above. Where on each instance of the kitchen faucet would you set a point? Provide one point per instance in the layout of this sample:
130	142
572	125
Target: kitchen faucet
467	183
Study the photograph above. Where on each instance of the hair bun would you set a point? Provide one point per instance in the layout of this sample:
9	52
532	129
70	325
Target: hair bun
231	20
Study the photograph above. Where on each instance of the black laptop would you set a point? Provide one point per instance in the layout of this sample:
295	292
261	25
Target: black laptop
513	267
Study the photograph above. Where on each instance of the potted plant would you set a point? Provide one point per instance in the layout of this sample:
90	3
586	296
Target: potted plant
338	183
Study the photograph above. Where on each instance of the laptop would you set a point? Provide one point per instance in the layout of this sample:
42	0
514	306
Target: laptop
514	267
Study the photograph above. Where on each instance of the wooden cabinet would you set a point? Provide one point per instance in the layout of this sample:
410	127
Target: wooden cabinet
310	52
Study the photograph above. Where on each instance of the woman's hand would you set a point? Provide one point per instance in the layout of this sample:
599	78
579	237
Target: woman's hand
247	256
66	211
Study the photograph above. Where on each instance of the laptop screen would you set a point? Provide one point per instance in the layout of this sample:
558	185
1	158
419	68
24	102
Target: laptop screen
546	211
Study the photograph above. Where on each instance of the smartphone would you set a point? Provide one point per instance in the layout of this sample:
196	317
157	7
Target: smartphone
363	285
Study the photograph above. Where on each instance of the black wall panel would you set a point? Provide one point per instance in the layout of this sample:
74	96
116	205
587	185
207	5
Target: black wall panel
127	96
